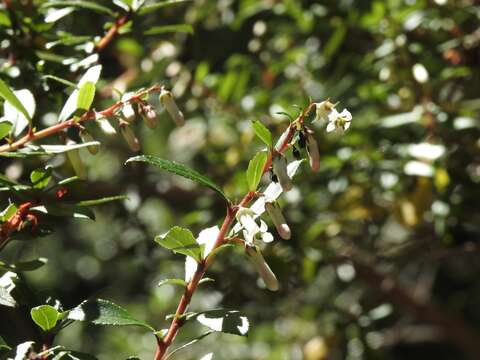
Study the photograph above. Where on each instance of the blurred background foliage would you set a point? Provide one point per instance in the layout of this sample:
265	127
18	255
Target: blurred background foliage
383	261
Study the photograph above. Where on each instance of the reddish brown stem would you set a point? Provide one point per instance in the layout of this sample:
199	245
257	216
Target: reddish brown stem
112	32
90	115
176	323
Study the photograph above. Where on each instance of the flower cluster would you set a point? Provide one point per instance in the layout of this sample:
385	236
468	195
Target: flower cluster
281	174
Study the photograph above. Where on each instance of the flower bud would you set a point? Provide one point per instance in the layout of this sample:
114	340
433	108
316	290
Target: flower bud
279	165
128	113
86	137
149	115
76	161
263	269
129	137
167	100
106	127
278	220
313	153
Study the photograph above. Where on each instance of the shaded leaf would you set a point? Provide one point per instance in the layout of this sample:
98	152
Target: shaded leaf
227	321
79	4
181	241
104	312
191	342
145	9
66	210
45	316
262	132
184	28
255	170
178	169
24	265
60	80
102	200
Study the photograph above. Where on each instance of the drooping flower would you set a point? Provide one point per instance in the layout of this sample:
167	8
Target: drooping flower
167	100
339	122
86	138
262	267
149	115
251	230
129	136
278	220
279	166
313	153
323	109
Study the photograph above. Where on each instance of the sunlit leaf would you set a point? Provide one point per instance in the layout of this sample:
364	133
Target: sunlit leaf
262	132
181	241
45	316
255	170
227	321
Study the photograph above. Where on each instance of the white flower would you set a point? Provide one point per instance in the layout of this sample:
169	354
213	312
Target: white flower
313	153
323	109
275	213
251	230
167	100
263	269
339	122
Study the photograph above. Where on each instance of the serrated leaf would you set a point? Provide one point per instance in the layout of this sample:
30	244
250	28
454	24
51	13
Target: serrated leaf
86	95
104	312
102	200
34	150
41	177
178	169
145	9
45	316
17	117
91	75
79	4
8	95
255	170
181	241
179	282
226	321
262	132
5	128
184	28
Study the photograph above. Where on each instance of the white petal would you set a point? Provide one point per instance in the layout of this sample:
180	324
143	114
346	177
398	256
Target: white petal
333	116
267	237
208	237
347	125
263	226
330	127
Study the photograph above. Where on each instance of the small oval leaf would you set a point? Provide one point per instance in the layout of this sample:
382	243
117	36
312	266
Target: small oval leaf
45	316
86	95
181	241
255	170
262	132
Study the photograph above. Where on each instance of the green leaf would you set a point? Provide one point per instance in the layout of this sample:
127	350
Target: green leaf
178	282
60	80
86	95
45	316
184	28
24	265
80	4
262	132
255	170
104	312
8	212
181	241
191	342
102	200
226	321
3	345
34	150
5	128
178	169
9	96
145	9
41	177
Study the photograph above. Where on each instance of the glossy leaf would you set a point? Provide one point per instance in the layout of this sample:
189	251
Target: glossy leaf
104	312
255	170
181	241
24	265
16	116
91	5
262	132
45	316
178	169
184	28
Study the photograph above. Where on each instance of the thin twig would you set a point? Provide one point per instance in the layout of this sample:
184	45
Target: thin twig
112	32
